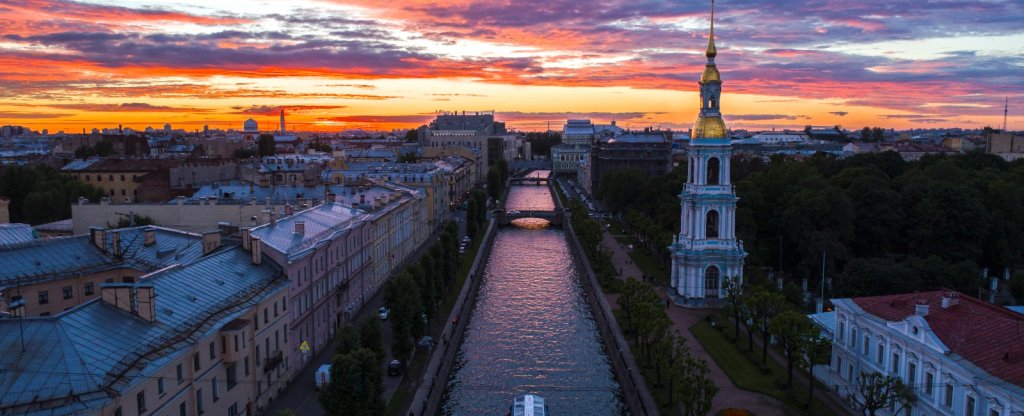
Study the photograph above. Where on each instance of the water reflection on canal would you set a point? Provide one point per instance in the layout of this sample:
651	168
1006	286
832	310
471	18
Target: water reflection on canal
532	330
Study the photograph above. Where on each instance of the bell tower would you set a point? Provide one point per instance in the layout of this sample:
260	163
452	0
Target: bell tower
706	252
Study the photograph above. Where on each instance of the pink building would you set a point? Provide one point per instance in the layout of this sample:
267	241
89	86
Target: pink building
326	252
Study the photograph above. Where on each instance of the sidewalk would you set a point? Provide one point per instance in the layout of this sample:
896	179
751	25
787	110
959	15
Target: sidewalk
728	395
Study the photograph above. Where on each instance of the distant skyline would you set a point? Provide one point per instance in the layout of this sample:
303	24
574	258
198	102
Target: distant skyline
335	64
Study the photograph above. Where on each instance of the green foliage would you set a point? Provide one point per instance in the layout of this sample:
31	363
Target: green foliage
409	157
347	340
371	336
243	153
541	143
412	135
763	305
286	412
356	387
40	194
1017	286
134	220
881	392
793	330
104	148
266	145
320	147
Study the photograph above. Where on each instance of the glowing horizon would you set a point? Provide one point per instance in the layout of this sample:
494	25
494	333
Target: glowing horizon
336	64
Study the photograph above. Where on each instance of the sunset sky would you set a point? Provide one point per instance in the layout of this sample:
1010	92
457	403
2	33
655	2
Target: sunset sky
337	64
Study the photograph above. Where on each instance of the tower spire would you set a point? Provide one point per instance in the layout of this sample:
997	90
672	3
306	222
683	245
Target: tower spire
712	51
1006	110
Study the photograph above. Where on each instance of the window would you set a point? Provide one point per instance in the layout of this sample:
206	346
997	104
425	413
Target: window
160	386
713	171
122	178
182	409
213	351
89	289
275	309
245	364
140	399
257	355
912	375
199	401
232	376
949	395
881	353
853	337
117	412
711	225
896	364
842	330
195	362
67	292
180	374
285	334
213	385
711	282
867	344
928	380
993	412
256	323
111	177
128	279
109	280
236	343
233	410
99	178
969	407
284	304
266	316
44	297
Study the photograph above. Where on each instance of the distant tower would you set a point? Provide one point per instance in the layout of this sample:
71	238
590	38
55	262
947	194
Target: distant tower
1006	111
706	251
282	121
206	130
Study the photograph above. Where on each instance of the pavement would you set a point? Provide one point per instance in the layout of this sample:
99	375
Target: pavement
300	394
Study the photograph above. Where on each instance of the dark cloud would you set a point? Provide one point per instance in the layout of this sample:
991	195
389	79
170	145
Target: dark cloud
758	117
839	113
10	115
127	108
267	110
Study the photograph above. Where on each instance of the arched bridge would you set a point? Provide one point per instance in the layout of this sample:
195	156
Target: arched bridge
554	217
531	180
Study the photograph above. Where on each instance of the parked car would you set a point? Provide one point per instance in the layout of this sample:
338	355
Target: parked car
383	312
323	376
394	368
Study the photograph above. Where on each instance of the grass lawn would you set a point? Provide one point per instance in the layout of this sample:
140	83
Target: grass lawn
403	395
743	370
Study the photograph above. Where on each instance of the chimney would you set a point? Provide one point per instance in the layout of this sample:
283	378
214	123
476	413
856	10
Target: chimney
922	308
257	252
98	237
289	209
300	227
115	242
149	236
246	239
950	299
211	241
145	303
273	217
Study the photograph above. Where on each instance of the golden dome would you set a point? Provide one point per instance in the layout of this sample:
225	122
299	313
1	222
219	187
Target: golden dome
710	127
710	74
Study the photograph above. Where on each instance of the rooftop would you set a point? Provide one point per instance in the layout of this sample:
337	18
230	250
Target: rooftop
320	224
988	336
56	258
76	361
16	233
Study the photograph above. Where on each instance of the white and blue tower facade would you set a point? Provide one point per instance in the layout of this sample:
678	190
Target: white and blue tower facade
706	252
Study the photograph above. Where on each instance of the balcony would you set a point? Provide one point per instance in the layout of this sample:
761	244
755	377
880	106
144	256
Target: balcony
233	340
271	362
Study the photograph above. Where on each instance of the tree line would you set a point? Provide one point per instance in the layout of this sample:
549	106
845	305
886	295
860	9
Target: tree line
886	225
357	386
40	194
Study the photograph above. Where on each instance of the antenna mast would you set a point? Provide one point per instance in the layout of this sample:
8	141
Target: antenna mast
1006	110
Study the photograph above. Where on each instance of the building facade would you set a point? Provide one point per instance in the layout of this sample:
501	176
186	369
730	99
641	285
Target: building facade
959	355
706	252
649	152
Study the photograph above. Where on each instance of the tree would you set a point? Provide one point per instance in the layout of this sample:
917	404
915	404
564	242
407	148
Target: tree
734	304
793	330
266	145
494	184
320	147
765	304
104	148
865	135
409	157
134	220
371	336
84	152
818	350
347	340
243	153
697	390
356	387
1017	286
883	391
412	135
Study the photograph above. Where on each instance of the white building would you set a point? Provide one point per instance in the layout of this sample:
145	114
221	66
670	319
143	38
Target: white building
706	251
961	356
785	137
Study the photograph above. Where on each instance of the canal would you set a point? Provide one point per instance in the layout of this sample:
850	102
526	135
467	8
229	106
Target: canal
532	330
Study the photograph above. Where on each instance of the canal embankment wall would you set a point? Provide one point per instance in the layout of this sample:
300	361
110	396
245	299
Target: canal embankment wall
635	393
428	397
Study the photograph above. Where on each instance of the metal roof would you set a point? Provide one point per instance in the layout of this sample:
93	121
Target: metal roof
16	233
57	258
321	223
77	360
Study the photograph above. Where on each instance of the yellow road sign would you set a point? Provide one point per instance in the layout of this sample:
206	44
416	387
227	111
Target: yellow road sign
304	347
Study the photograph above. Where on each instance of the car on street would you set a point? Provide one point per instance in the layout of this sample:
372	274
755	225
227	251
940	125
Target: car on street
394	368
383	312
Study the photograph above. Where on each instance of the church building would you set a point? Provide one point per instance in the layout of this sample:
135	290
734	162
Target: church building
706	252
